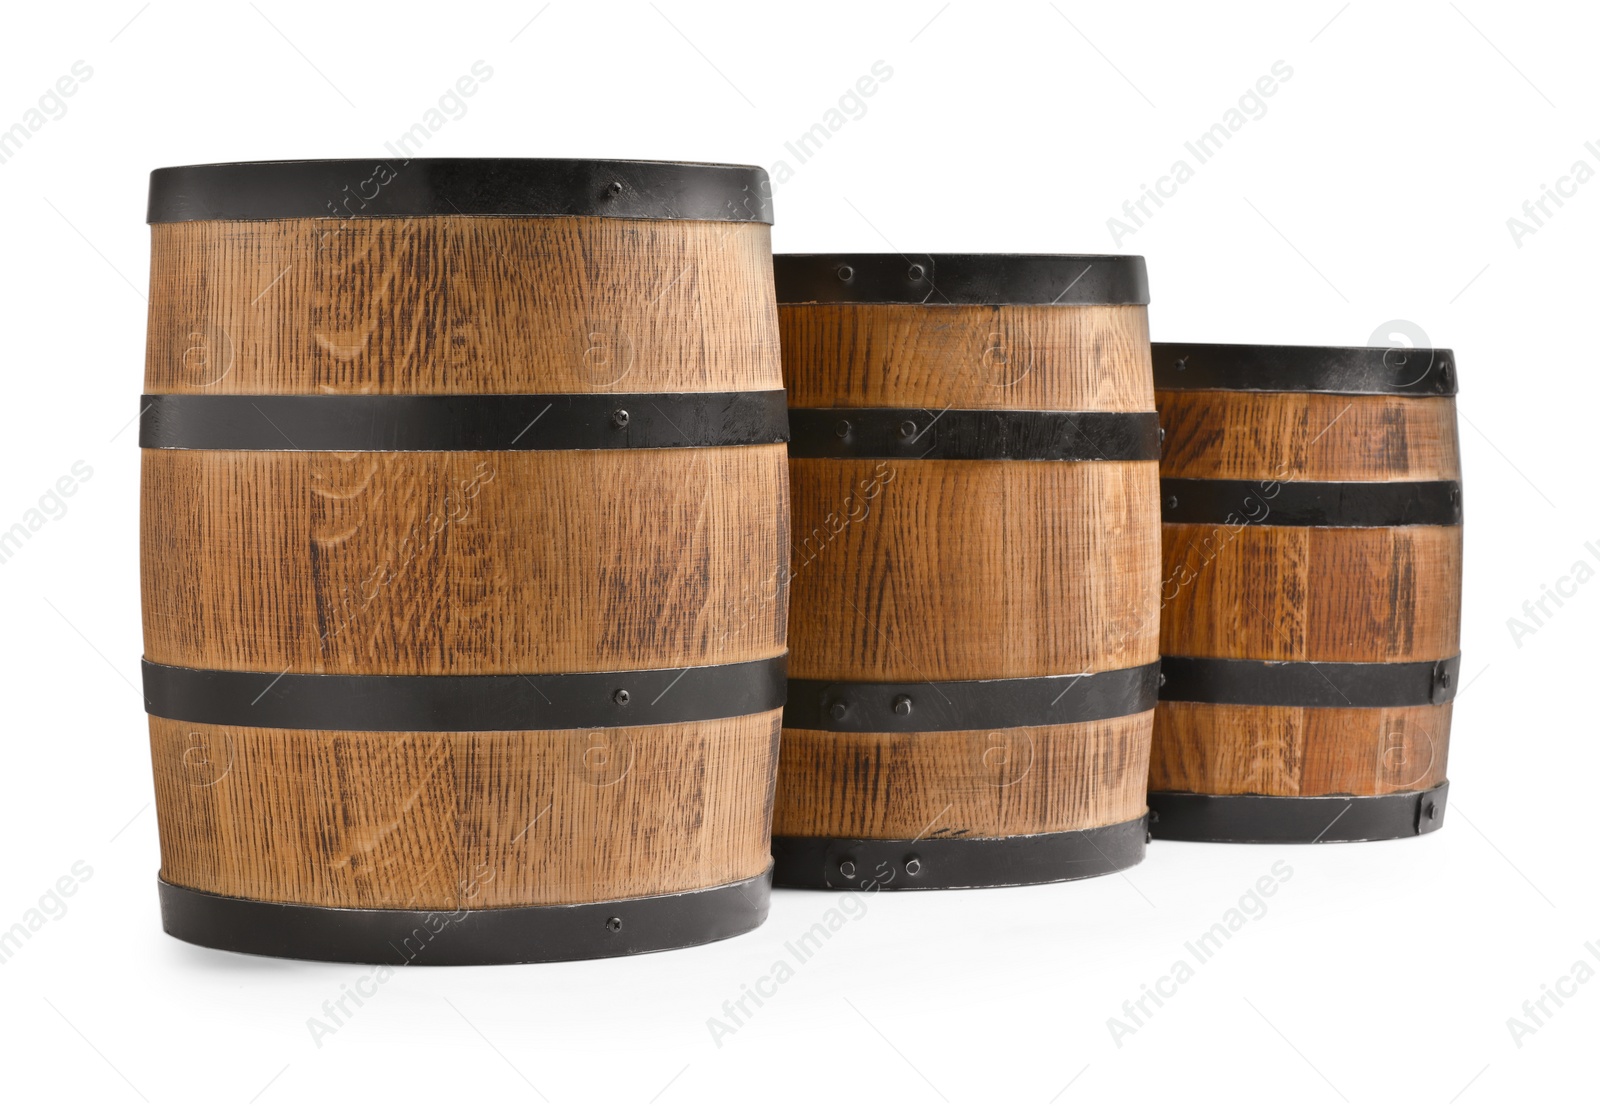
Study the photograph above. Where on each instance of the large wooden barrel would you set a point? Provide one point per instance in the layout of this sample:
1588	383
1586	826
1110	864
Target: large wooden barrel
464	530
1310	631
974	573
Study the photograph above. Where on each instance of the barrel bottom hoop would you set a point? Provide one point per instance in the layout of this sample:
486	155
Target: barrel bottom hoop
952	863
1295	819
1254	683
503	935
848	706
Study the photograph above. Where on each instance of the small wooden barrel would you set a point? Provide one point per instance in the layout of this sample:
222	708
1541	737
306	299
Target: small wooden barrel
465	524
1311	598
974	570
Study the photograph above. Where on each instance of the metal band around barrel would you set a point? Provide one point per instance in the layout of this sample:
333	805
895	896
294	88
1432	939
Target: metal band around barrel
1309	683
499	935
359	188
851	707
947	863
964	279
535	701
1312	503
1343	370
951	435
353	424
1296	819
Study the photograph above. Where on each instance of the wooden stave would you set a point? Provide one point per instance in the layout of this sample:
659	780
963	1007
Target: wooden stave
530	816
723	505
307	306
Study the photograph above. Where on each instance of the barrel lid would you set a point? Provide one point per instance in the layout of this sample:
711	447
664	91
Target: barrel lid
961	278
1348	370
398	187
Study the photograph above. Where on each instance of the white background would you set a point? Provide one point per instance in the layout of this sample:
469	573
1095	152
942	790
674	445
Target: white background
1377	186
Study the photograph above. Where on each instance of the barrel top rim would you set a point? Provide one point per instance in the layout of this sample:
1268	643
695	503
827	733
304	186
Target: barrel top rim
625	188
1293	350
962	279
890	255
459	160
1416	371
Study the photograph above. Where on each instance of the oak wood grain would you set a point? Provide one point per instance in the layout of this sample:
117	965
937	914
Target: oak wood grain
964	783
1307	436
461	305
459	820
1223	749
970	570
1021	358
1292	593
465	563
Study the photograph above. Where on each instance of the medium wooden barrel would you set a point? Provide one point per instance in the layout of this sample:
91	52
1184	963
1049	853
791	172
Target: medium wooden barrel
1311	599
464	532
974	571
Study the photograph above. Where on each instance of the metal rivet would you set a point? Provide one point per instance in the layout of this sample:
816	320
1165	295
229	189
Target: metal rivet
614	924
1181	365
1433	811
615	188
1161	679
843	428
902	705
846	272
619	418
908	429
837	710
1172	502
1155	816
913	865
916	272
620	697
1162	431
847	869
